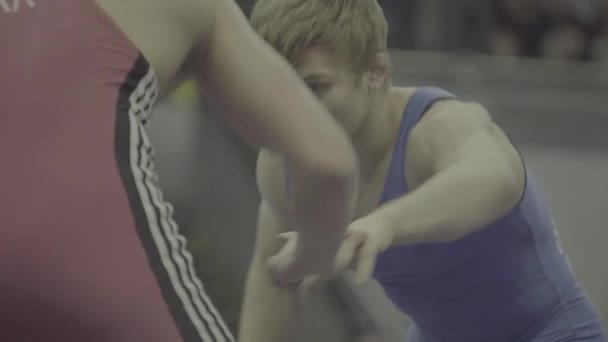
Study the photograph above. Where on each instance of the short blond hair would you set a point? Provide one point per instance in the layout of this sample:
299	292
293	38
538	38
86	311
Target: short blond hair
356	29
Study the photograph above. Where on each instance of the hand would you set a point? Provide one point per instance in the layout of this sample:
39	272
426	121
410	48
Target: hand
372	235
287	274
283	265
363	241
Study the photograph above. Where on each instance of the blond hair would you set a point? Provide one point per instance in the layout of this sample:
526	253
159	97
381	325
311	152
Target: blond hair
356	29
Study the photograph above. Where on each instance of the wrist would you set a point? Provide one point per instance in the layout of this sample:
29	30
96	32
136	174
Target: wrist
389	231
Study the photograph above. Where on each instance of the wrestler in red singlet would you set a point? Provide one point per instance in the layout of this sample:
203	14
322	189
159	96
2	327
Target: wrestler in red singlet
88	250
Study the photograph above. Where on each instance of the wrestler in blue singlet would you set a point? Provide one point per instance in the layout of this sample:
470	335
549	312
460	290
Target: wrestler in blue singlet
506	282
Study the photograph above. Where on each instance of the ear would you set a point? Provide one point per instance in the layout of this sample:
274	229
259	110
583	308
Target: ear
379	70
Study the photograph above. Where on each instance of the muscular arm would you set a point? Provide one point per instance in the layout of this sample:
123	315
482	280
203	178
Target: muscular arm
475	176
269	312
263	98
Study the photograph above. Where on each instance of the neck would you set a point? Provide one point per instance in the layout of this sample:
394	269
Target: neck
374	140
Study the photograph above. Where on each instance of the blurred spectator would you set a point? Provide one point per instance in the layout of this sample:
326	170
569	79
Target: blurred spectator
564	29
444	25
468	24
402	16
599	48
520	27
565	41
577	25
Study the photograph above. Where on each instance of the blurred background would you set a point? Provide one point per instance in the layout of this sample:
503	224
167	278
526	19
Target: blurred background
540	66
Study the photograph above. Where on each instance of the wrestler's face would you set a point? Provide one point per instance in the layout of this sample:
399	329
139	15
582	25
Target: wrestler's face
350	96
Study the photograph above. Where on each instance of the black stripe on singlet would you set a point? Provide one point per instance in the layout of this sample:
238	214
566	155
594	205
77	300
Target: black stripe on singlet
123	147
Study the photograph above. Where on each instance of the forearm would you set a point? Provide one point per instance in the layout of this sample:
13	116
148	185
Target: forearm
319	213
264	99
451	204
269	313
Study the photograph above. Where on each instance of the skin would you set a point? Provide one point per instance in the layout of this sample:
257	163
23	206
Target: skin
264	101
454	152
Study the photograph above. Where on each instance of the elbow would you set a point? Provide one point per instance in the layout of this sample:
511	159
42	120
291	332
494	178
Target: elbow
504	182
509	187
510	176
337	165
342	175
345	167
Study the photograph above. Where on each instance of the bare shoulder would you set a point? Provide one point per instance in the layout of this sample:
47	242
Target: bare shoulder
455	116
270	177
450	130
447	124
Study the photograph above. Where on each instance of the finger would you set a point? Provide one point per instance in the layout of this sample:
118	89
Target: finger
283	283
279	272
288	247
289	240
280	261
288	235
346	253
275	264
366	260
310	285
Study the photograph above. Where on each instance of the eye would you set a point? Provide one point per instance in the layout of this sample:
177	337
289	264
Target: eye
319	88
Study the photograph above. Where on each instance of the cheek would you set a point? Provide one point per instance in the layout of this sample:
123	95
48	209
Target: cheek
346	107
340	102
339	107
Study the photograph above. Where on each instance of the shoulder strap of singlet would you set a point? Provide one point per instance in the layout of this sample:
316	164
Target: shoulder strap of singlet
422	99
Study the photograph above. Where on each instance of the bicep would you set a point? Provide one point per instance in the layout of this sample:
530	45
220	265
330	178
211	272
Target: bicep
459	142
264	100
461	133
238	70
